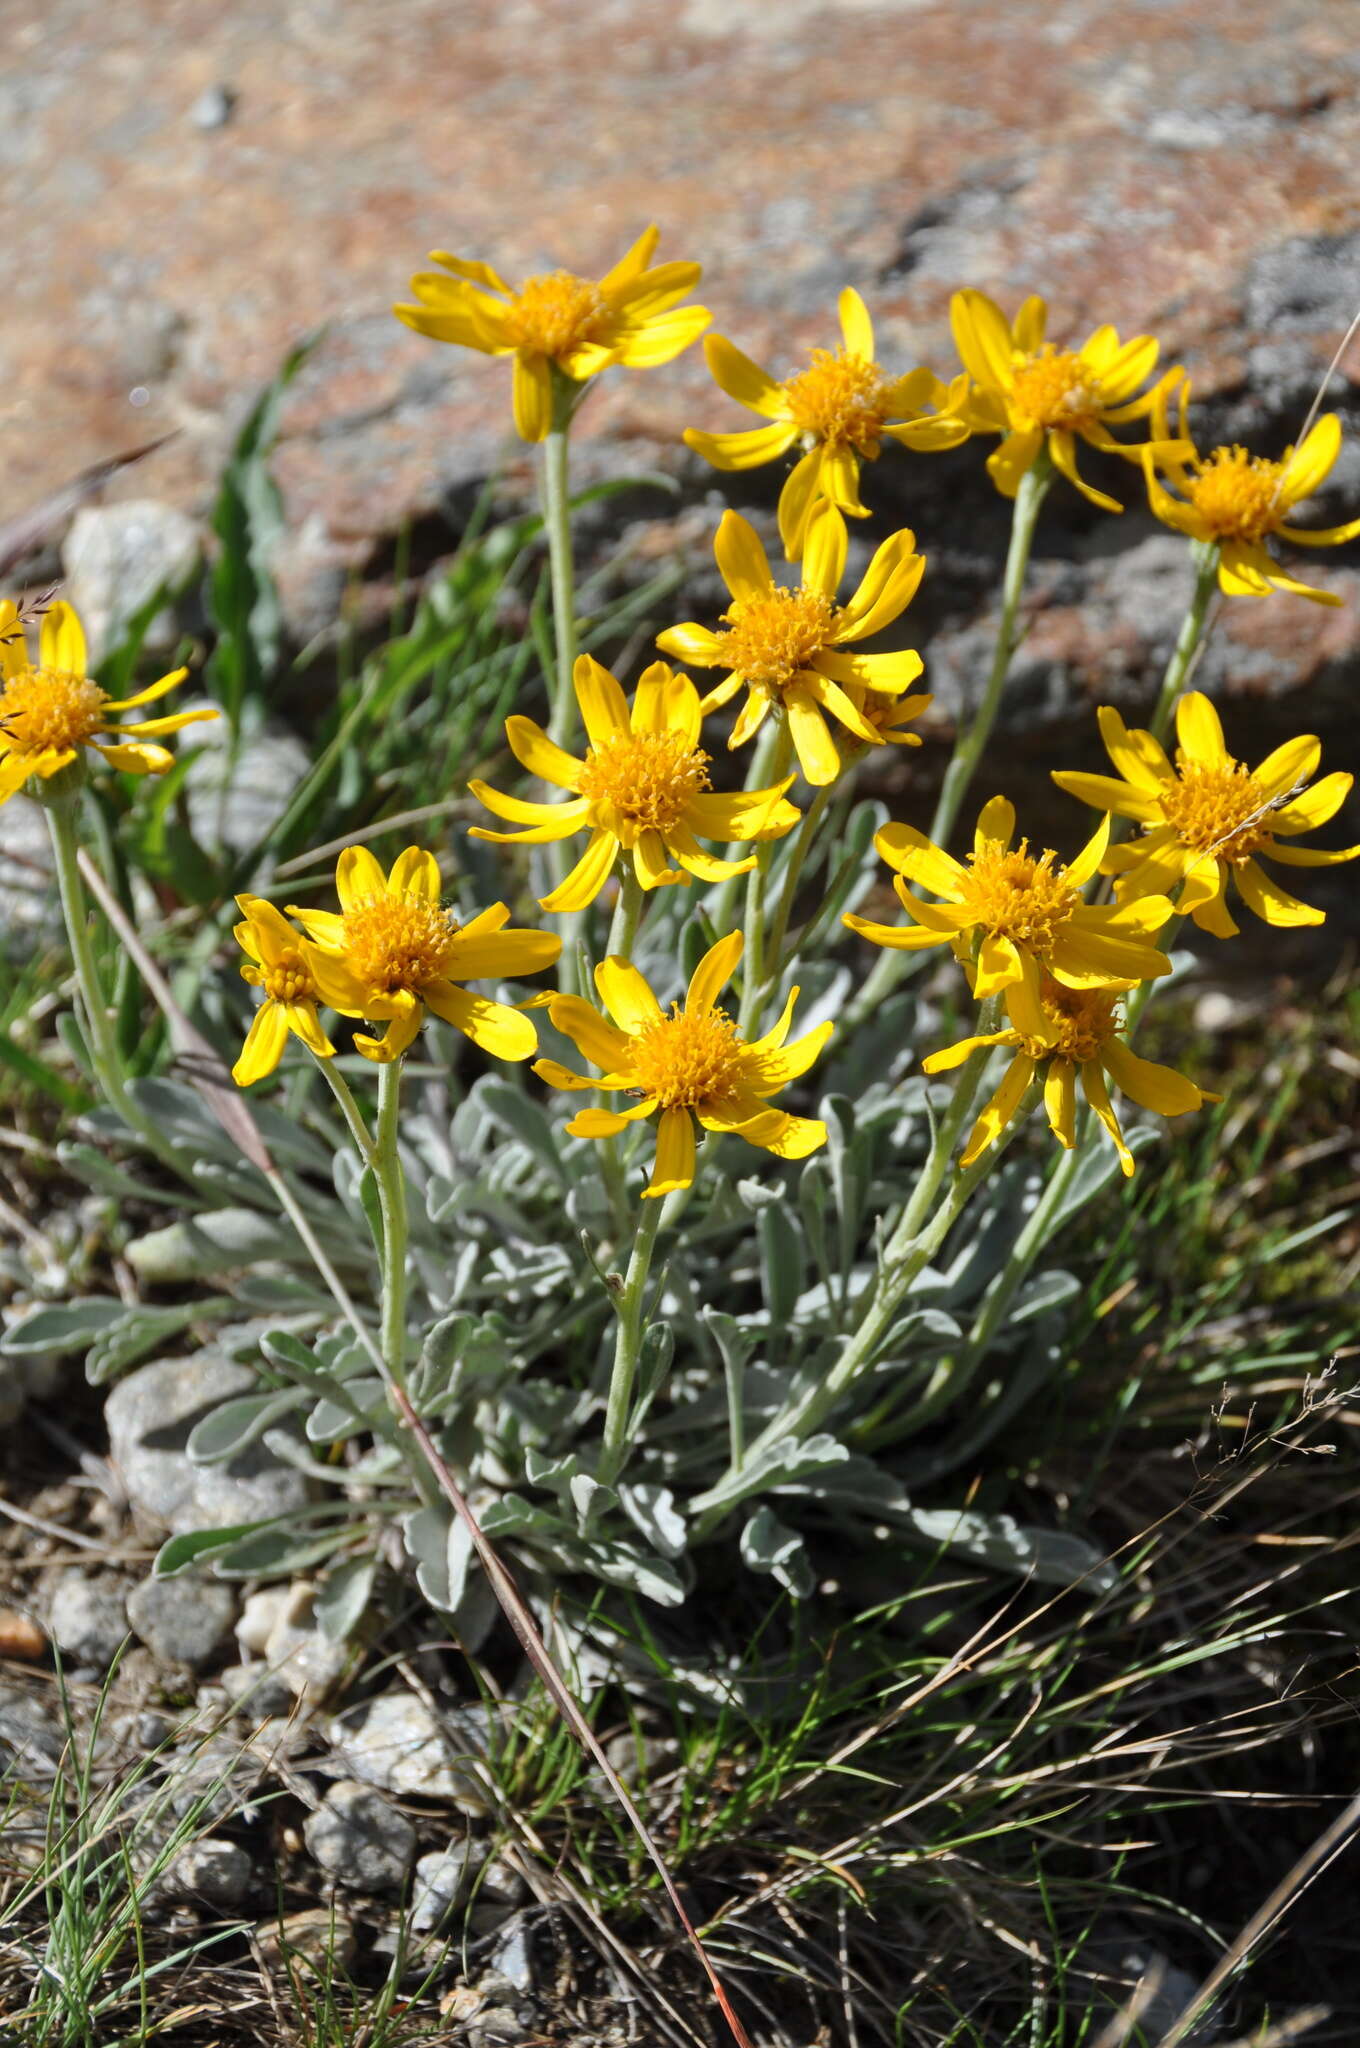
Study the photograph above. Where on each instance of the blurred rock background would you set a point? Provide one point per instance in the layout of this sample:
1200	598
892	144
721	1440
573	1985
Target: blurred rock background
192	188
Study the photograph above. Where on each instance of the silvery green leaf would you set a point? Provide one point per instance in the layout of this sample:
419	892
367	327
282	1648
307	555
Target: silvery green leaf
654	1362
179	1112
513	1515
61	1327
782	1262
289	1451
734	1342
521	1114
920	1330
181	1553
95	1170
768	1546
1043	1291
274	1552
281	1292
469	1126
755	1195
1050	1555
342	1414
215	1242
343	1597
140	1331
618	1564
554	1475
232	1425
589	1498
782	1463
653	1512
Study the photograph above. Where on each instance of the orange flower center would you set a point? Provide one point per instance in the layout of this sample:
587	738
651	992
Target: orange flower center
688	1058
397	942
770	638
1236	494
1017	897
48	708
1055	388
649	777
289	980
1222	808
1083	1022
553	314
840	399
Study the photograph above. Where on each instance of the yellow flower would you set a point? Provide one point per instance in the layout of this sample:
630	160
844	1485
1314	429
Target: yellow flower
1066	1032
643	786
1038	395
886	714
392	952
278	964
838	410
1236	501
791	648
632	315
688	1064
50	709
1026	910
1207	819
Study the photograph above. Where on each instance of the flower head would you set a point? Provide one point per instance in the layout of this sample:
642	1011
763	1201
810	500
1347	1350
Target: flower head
792	648
1061	1033
1210	819
1236	501
1026	910
278	964
577	325
392	952
51	708
692	1063
1039	396
839	410
643	787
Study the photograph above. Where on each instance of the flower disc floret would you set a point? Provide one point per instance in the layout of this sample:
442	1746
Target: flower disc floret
394	944
642	790
1019	897
288	979
555	313
1053	389
840	400
687	1059
771	637
1209	819
1236	494
51	708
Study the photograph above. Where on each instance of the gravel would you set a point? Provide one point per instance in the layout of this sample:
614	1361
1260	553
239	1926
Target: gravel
88	1618
395	1742
214	1870
358	1839
182	1620
149	1417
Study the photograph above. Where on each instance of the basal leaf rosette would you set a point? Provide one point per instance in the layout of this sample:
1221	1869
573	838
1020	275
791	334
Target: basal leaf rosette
1025	913
642	789
794	650
392	952
1042	398
1237	502
278	963
1063	1035
558	321
51	708
839	411
1209	820
688	1066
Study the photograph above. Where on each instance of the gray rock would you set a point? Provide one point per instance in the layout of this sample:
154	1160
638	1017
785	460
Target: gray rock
512	1956
500	1884
359	1839
213	1781
149	1417
396	1742
213	108
32	1738
255	1689
182	1620
88	1618
213	1869
279	1624
499	2026
442	1881
117	557
320	1936
258	784
29	907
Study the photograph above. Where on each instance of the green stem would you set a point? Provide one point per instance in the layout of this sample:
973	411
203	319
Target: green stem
951	1124
974	733
753	946
627	911
353	1115
812	818
1188	642
759	775
630	1305
100	1028
391	1180
557	526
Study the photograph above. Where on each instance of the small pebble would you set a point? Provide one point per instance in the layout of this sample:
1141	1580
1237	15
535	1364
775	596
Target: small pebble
359	1839
88	1618
323	1938
213	108
214	1870
20	1637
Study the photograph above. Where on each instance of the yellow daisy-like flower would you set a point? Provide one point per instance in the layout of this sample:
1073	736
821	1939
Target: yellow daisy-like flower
51	708
643	787
279	965
1236	501
1207	820
1068	1032
686	1065
792	648
632	315
1040	396
392	952
1025	910
839	410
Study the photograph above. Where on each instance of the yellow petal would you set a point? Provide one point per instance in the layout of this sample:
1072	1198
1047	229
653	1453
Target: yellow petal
302	1020
1140	759
1104	793
898	938
504	955
1060	1101
1155	1087
999	963
593	1036
742	562
1263	894
692	643
825	541
414	877
818	756
649	861
264	1045
1093	1081
1287	766
742	379
632	264
674	1166
1311	462
505	1033
150	693
749	719
856	326
61	640
665	701
542	757
1063	450
585	881
531	397
746	450
1199	730
911	853
1087	862
801	487
399	1036
1017	454
982	338
660	340
999	1112
995	825
712	974
137	757
951	1056
604	708
626	995
358	877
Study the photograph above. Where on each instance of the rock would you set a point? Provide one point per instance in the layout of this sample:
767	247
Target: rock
512	1956
255	1689
500	1884
30	910
117	557
32	1737
212	108
320	1937
396	1743
213	1780
258	784
149	1416
441	1883
498	2026
259	1614
88	1618
20	1637
214	1870
182	1620
359	1839
280	1624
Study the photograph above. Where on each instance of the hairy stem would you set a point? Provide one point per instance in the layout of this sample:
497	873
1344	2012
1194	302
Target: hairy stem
630	1306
